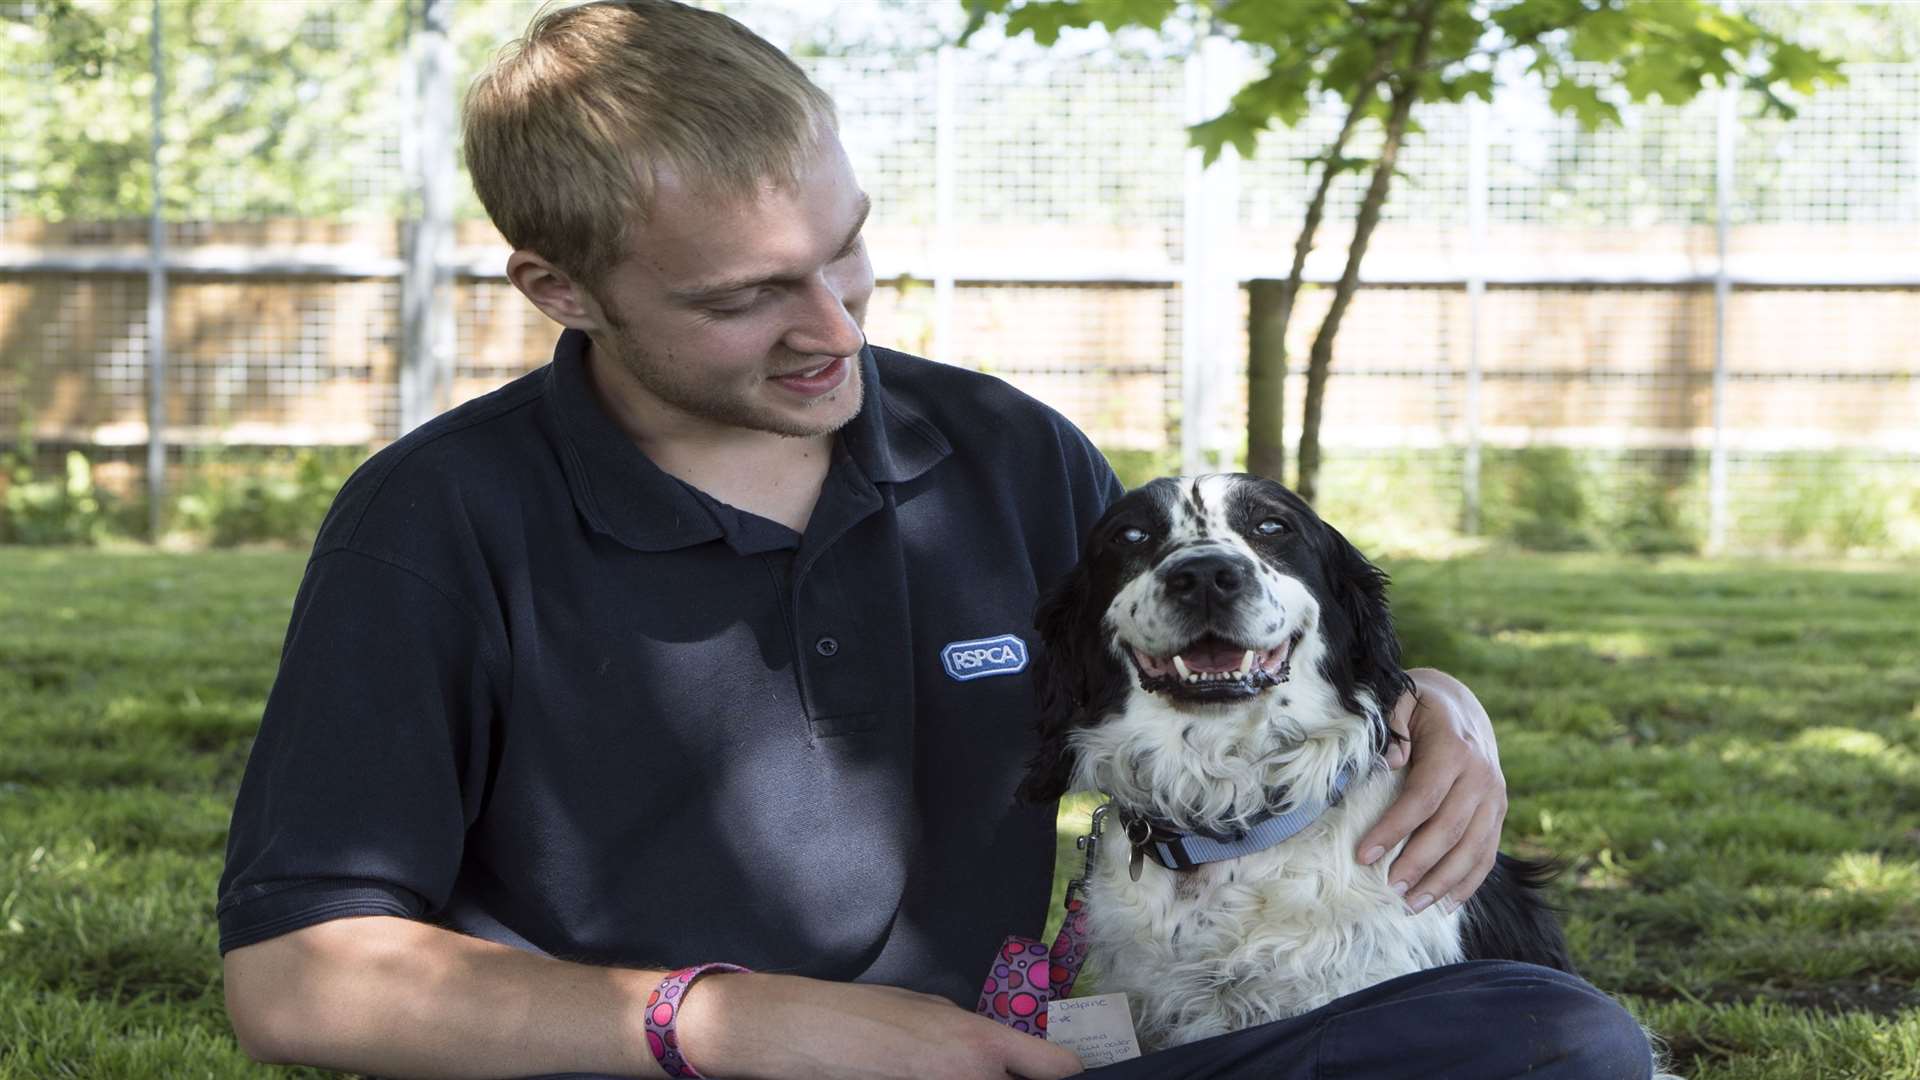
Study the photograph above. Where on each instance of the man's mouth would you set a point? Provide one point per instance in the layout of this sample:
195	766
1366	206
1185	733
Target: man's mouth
814	381
1213	668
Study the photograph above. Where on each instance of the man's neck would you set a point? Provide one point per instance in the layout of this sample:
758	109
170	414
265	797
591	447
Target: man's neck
777	477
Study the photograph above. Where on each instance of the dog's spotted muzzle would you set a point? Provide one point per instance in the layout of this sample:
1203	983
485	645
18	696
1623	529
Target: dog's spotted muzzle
1209	591
1213	668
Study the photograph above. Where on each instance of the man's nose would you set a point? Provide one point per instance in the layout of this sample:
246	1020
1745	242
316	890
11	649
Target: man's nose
827	328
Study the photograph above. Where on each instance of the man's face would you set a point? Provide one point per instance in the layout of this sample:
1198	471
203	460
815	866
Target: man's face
743	314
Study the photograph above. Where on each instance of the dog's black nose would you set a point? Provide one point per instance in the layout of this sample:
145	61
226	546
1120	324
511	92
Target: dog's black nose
1206	577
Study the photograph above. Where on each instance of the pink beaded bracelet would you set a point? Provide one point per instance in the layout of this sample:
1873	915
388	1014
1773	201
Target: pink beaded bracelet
663	1012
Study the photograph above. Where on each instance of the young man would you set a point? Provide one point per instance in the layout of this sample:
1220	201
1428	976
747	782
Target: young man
636	662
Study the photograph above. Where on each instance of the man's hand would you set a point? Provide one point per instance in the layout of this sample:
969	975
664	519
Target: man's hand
1453	801
756	1025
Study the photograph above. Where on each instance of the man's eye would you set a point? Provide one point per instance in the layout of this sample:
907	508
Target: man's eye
735	307
1132	534
1270	527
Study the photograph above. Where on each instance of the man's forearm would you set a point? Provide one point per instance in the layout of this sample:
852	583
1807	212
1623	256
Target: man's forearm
398	998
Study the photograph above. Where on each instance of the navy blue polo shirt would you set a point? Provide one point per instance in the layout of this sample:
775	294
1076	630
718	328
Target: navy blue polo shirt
539	691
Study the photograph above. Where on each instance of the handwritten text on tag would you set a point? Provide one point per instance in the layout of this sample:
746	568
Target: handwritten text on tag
1099	1028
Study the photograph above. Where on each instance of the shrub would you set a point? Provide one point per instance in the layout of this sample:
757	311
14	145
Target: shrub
1650	519
1540	498
64	509
1136	467
282	498
1834	502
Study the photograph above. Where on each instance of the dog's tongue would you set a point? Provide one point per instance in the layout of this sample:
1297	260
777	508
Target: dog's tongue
1212	654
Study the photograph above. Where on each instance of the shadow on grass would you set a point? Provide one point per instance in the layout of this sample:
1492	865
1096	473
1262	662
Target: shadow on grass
1729	757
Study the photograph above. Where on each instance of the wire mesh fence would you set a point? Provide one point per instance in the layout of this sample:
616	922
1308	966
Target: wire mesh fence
1037	215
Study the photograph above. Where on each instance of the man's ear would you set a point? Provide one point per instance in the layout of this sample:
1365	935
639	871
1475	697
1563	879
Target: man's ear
1072	669
551	289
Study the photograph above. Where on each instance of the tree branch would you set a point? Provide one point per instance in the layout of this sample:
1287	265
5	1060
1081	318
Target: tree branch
1269	457
1320	359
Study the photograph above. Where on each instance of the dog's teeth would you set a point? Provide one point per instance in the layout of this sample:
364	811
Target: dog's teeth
1246	664
1180	666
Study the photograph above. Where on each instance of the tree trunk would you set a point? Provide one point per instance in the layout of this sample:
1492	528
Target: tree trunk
1270	310
1321	357
1267	306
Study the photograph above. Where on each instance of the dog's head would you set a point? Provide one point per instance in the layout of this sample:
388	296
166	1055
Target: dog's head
1223	625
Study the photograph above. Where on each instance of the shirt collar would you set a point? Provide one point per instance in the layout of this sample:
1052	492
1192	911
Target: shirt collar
621	492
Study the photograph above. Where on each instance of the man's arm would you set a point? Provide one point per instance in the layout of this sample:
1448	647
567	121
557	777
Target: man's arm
400	998
1454	799
394	997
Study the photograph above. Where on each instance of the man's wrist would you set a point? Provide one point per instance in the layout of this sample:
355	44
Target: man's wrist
708	1038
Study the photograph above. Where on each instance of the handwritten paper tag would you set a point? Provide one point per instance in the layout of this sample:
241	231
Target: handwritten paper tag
1099	1028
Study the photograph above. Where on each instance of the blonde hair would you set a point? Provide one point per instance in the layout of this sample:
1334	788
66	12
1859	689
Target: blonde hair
566	128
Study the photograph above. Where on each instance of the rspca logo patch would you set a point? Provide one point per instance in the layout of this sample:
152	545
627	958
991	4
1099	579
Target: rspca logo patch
1003	655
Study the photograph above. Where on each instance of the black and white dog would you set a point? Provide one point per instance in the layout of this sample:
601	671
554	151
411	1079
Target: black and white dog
1221	665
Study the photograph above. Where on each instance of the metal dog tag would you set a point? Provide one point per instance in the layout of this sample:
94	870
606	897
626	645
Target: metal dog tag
1138	833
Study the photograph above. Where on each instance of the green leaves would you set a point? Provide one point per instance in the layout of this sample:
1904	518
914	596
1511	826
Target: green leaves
78	41
1665	50
1584	102
1802	69
1046	20
1601	37
271	109
1592	55
1241	129
1284	27
1462	86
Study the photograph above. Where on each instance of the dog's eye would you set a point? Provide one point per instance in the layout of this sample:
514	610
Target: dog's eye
1132	534
1270	527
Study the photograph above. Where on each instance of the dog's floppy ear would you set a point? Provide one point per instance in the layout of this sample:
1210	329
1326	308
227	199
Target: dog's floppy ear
1374	656
1072	670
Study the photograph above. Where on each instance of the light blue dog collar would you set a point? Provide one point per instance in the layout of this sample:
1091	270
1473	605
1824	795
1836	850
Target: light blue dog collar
1183	850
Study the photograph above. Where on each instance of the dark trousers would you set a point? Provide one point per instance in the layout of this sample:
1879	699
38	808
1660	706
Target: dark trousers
1483	1020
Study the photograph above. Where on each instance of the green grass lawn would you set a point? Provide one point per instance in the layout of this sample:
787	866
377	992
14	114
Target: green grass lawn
1726	755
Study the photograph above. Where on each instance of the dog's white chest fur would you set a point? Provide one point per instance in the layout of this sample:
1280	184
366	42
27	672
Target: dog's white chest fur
1267	936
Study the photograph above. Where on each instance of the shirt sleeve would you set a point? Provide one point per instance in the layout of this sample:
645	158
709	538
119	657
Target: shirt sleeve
370	761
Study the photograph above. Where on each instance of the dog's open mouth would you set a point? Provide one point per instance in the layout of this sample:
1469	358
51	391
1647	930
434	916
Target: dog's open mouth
1213	668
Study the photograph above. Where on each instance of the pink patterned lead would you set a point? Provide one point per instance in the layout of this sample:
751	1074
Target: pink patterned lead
1026	975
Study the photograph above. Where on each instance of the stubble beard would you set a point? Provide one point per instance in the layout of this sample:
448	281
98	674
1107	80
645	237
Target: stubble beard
717	406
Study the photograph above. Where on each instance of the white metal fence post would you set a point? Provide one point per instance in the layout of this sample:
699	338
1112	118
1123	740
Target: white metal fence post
157	300
1192	264
1479	154
1208	281
945	168
426	376
1722	290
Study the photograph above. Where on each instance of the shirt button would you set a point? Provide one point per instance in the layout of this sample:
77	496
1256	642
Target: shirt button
826	646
